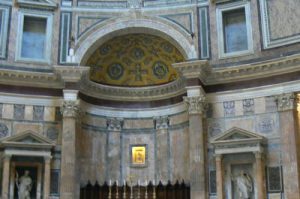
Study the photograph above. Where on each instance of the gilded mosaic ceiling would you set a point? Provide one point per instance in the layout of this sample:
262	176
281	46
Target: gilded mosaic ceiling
134	60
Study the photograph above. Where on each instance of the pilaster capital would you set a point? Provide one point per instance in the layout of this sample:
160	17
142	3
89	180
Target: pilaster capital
114	124
7	157
218	157
47	159
161	122
195	104
286	101
70	108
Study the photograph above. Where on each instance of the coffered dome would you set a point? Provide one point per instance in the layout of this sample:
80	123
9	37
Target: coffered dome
134	60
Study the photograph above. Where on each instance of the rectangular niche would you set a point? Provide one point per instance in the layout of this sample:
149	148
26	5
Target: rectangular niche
35	30
234	29
139	155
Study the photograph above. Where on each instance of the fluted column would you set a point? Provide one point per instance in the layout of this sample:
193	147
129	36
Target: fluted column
162	144
70	110
196	106
114	128
219	175
260	176
5	176
289	138
46	191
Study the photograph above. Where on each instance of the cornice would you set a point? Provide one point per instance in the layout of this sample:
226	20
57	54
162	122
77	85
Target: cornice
29	78
256	70
194	69
149	93
71	73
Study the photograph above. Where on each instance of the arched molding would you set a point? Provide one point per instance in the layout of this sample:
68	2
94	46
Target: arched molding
111	28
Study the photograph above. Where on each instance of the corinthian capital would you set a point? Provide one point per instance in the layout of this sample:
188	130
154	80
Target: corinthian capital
114	124
70	108
161	122
286	101
195	104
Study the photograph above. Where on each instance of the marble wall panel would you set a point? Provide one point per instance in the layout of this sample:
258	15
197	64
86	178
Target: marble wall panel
94	120
5	128
138	123
246	123
19	127
179	155
28	112
136	172
289	15
215	127
52	131
49	113
267	124
8	111
179	118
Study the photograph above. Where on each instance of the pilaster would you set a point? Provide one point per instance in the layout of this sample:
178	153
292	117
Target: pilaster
196	104
114	129
161	125
286	104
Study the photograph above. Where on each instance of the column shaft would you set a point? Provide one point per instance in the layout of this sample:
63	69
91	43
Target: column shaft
47	178
219	175
5	177
260	176
69	185
197	164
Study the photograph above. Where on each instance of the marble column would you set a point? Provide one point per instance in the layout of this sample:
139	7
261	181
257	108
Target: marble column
69	184
196	106
260	176
289	139
46	191
219	176
162	151
114	128
5	176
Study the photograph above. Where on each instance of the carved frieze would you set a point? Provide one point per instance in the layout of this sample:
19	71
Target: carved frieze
135	3
161	122
114	124
70	108
196	105
285	101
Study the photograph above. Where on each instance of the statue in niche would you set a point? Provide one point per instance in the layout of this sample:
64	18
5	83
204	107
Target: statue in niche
244	185
24	185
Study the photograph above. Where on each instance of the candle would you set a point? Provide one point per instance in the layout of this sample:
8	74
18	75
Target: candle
146	181
138	182
117	183
124	183
153	182
109	182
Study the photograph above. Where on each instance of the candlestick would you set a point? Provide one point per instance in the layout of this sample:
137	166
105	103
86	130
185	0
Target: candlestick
124	191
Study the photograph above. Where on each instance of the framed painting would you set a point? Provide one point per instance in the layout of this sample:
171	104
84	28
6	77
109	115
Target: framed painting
138	155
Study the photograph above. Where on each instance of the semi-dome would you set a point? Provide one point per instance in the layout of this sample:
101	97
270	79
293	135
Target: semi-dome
134	60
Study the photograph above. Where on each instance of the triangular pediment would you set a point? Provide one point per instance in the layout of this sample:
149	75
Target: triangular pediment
27	139
50	4
236	134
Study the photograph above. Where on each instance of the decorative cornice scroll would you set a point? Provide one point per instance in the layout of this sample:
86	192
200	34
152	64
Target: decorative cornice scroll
196	104
70	108
114	124
286	101
161	122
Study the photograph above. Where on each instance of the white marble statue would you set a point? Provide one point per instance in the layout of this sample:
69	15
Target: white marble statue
24	185
244	185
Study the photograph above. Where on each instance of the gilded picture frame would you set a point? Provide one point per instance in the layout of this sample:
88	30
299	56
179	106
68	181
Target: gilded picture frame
138	155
